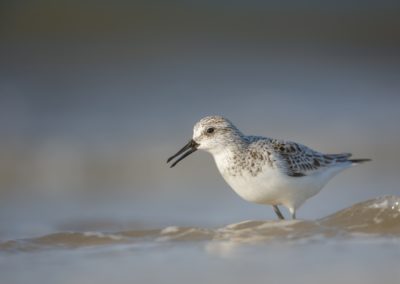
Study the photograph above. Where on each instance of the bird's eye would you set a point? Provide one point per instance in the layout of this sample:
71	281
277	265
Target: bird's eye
210	130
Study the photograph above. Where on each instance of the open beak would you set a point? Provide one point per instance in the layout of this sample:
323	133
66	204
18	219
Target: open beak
188	149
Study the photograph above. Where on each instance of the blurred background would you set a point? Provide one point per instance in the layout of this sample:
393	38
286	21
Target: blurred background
95	95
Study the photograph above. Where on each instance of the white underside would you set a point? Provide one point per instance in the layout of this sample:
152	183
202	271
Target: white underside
276	188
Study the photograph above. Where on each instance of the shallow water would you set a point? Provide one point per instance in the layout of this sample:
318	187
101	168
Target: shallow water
360	244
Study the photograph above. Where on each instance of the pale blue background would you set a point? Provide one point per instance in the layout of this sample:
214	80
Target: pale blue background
95	95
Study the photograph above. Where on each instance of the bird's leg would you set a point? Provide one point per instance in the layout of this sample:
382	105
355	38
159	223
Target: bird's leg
293	213
278	212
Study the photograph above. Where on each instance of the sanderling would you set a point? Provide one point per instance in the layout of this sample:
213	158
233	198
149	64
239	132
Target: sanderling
265	170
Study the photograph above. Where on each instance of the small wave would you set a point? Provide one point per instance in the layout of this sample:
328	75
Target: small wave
376	217
379	216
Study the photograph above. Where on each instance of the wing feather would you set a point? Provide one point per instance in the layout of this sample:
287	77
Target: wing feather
295	159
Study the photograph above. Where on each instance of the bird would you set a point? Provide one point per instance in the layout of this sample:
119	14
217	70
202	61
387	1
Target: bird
264	170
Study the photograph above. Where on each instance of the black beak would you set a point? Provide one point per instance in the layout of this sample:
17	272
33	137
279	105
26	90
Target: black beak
191	146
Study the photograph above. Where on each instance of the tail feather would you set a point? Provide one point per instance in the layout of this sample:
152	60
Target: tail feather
359	161
344	158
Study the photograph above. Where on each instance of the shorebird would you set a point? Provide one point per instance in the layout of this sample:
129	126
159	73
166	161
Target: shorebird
265	170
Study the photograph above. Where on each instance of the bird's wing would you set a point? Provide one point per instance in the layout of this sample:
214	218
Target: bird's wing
298	160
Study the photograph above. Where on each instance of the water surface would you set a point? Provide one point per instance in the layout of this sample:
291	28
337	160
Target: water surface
360	244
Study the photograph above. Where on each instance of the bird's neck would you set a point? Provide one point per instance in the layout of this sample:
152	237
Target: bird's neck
228	155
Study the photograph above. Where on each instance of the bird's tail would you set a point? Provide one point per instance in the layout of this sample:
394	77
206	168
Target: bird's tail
345	158
359	161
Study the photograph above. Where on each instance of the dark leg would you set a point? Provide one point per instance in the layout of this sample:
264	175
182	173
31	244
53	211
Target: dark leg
293	213
278	212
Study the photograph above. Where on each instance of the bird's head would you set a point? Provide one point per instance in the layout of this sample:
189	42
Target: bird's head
212	134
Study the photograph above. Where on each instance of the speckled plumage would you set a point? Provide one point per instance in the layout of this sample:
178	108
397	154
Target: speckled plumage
265	170
291	158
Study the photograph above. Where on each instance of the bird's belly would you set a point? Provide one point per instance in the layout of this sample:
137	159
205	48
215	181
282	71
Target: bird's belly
273	187
256	189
